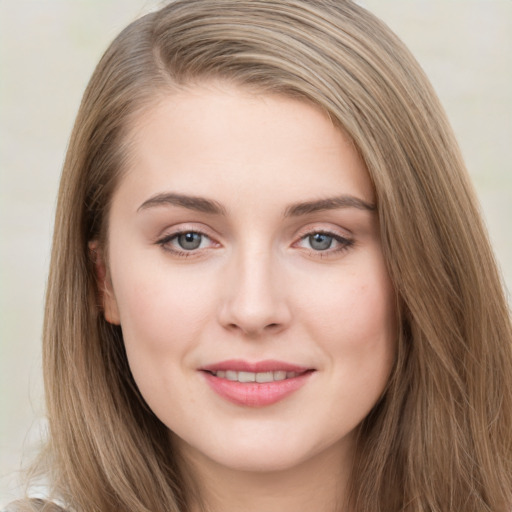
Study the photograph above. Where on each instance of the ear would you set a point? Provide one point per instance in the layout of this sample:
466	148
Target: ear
104	284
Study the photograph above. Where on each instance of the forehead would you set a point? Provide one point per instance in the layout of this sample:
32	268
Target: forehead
220	139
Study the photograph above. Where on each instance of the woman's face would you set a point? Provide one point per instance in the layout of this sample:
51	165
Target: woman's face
248	278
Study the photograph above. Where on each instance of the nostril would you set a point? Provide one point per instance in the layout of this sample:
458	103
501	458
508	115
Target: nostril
269	327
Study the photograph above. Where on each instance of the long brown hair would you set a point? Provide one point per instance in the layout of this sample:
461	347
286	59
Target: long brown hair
440	438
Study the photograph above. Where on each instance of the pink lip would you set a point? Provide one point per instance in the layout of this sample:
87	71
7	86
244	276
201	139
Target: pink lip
253	394
261	366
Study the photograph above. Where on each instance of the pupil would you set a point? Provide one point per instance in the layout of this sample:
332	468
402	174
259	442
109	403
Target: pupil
320	242
189	241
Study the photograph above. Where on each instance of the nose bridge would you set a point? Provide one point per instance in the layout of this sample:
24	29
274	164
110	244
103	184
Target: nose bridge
255	301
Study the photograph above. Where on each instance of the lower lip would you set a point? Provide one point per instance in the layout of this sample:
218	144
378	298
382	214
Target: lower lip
253	394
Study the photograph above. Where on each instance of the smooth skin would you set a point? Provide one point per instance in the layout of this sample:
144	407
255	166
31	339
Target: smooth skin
244	228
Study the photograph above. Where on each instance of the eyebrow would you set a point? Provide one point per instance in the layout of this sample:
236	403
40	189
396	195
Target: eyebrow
204	205
330	203
199	204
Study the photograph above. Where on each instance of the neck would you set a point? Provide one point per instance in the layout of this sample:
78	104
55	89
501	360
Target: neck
318	484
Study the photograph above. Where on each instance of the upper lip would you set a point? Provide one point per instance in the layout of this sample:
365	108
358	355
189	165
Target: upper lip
239	365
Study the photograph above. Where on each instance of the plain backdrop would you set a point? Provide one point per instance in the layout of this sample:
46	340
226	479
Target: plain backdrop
48	49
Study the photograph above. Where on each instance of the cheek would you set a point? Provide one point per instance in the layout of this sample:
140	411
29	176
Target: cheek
370	312
160	309
354	320
163	320
360	305
360	341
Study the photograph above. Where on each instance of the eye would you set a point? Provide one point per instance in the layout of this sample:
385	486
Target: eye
320	241
185	242
189	241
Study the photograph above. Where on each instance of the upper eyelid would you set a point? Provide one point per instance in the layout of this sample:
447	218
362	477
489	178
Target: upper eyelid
320	227
339	238
182	228
341	235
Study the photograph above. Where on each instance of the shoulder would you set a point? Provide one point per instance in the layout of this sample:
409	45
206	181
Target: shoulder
33	505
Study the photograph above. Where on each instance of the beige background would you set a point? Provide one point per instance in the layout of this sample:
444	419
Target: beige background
48	49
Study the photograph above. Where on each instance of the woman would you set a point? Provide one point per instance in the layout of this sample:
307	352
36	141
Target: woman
270	286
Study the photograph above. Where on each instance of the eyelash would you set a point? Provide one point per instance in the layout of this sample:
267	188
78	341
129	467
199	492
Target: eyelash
344	243
168	239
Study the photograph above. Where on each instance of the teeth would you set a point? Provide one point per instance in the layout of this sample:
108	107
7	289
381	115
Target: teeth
265	377
279	375
231	375
260	377
246	377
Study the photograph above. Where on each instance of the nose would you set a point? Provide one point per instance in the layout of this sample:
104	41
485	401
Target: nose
254	296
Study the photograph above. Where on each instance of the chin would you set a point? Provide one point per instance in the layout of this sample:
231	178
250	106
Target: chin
259	461
261	465
260	453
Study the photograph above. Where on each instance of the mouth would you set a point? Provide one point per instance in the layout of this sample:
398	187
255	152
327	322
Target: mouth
259	377
255	384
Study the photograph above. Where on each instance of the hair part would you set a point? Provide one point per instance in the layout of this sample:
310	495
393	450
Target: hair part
439	439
